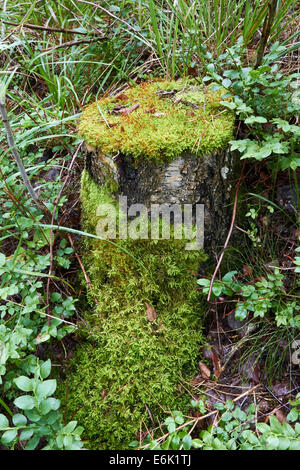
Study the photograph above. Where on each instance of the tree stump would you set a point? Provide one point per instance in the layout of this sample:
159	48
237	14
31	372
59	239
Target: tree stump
157	143
134	147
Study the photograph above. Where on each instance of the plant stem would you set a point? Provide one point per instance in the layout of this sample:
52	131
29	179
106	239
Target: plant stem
269	19
17	158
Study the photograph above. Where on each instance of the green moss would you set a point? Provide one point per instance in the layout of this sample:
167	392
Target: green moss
130	364
161	128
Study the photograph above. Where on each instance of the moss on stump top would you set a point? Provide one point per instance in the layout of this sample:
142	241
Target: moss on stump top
159	120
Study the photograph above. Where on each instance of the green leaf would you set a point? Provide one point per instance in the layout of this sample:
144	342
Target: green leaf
203	282
41	338
254	119
49	404
3	421
284	443
46	388
32	444
272	442
295	445
56	297
24	383
33	415
26	434
219	406
187	442
19	420
262	428
228	104
197	443
241	312
175	444
293	415
25	402
70	427
68	441
171	427
45	369
275	425
217	289
226	83
9	436
2	259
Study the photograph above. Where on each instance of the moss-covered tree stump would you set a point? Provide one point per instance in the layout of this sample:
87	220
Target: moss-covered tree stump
161	142
164	142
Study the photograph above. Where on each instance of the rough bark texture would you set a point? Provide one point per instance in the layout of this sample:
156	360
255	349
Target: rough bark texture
188	179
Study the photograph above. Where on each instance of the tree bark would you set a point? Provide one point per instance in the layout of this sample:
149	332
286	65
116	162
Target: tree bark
188	179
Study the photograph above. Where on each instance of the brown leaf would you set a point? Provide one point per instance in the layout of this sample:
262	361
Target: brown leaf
247	270
216	364
150	312
122	97
251	369
205	372
150	110
208	353
280	416
103	393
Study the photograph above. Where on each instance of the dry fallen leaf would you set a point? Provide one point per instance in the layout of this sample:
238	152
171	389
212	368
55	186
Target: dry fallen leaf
280	416
122	97
150	312
247	270
216	364
150	110
205	372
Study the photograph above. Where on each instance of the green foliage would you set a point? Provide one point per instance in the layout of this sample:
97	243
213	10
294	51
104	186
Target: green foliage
266	100
234	429
27	317
159	129
131	363
258	299
40	417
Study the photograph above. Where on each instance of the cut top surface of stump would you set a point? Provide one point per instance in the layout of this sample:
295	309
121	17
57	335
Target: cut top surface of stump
158	120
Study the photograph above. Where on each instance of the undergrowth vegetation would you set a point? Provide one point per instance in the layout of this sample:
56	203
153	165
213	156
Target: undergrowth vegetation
56	58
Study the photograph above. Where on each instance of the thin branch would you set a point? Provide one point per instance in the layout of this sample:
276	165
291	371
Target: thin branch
229	234
74	43
44	28
18	160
